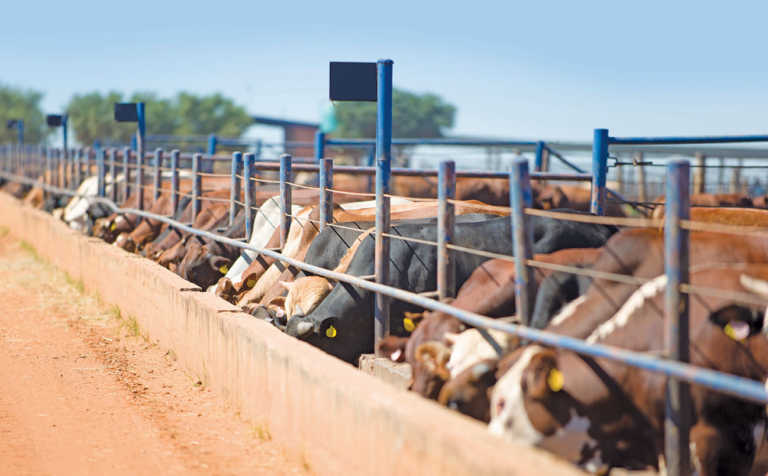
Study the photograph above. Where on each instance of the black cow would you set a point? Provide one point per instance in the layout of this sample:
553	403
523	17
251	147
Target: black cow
343	323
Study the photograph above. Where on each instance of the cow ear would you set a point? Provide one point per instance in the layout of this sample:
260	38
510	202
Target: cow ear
543	377
434	356
738	322
219	263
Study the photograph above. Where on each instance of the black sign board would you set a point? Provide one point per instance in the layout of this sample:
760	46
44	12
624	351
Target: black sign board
11	123
126	112
53	120
352	81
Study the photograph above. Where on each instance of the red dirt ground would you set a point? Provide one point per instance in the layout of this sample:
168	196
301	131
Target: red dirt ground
81	392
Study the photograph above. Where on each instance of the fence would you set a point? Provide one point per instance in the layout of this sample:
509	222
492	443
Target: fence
61	176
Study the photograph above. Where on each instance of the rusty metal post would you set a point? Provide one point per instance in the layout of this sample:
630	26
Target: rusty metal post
196	185
234	189
174	181
676	260
446	265
700	175
248	191
325	180
157	181
285	198
113	173
521	197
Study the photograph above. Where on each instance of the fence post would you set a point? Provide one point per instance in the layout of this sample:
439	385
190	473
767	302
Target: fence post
676	260
248	192
234	189
539	162
319	145
126	173
113	173
642	190
78	165
371	163
212	142
196	184
139	178
383	170
325	181
620	178
521	197
446	265
87	161
158	178
174	181
285	198
100	159
599	170
699	176
721	175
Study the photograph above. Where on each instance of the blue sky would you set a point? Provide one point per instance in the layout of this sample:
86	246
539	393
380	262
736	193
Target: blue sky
551	70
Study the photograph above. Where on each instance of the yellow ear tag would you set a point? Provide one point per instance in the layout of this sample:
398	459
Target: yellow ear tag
223	269
408	324
555	380
113	227
330	332
250	283
729	331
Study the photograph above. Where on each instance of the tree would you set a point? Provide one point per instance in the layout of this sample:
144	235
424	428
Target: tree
91	116
17	103
413	115
213	114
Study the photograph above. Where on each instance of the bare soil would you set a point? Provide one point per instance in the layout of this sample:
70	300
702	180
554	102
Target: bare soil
83	392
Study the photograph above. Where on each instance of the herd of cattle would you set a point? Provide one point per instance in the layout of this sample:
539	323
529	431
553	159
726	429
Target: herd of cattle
596	413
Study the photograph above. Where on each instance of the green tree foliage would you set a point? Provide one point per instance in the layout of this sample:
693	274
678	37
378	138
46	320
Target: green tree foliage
214	114
413	115
91	116
17	103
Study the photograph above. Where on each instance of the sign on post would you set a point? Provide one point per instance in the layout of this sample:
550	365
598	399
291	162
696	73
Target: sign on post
54	120
126	112
352	81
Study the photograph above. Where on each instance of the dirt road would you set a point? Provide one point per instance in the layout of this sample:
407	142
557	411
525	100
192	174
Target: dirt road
82	392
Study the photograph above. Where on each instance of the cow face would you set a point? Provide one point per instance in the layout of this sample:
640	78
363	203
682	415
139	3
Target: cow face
469	392
201	267
430	371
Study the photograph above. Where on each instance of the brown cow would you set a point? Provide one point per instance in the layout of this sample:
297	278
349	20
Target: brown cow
614	412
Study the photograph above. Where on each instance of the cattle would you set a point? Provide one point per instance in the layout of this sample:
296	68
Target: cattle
469	391
488	291
736	200
615	413
412	266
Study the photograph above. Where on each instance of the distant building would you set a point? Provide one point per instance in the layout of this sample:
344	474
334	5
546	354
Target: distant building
298	135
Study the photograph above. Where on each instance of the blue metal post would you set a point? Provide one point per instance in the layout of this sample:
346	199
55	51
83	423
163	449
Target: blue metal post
234	190
446	265
196	184
325	180
174	181
65	134
521	198
248	192
599	170
539	162
319	145
212	142
676	261
157	181
257	152
48	172
20	130
126	173
140	179
371	163
285	198
383	170
100	159
87	161
113	173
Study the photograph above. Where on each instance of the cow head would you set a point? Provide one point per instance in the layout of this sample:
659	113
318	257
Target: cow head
201	267
125	242
430	371
304	295
226	290
549	197
469	392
